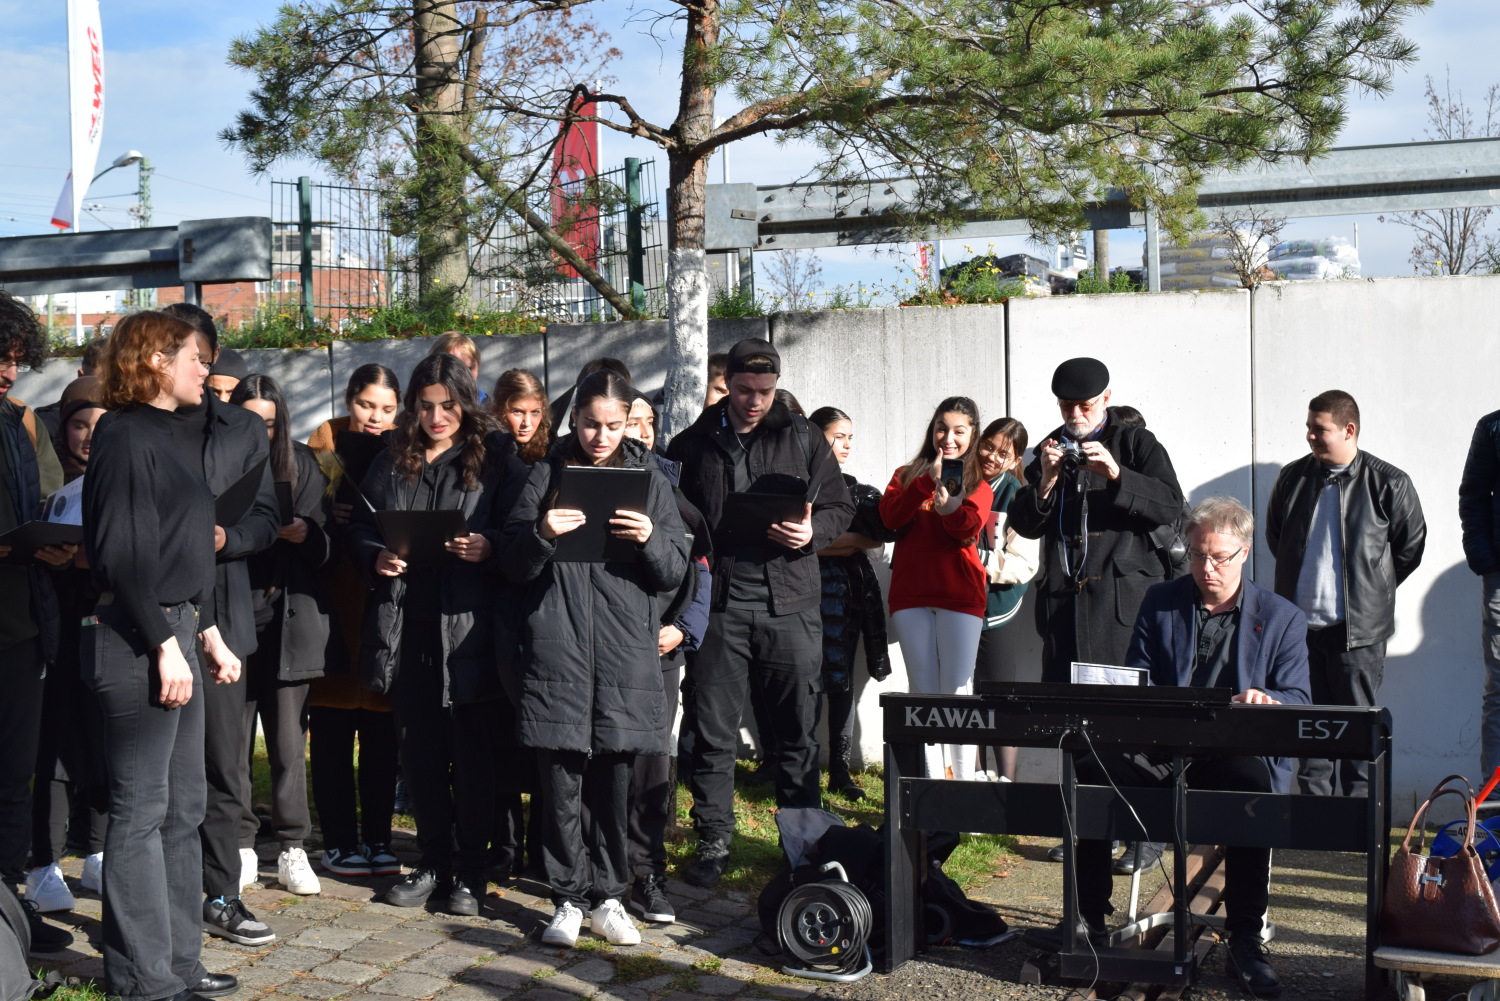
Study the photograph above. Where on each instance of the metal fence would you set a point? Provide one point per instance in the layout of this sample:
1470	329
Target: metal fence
334	258
332	254
612	219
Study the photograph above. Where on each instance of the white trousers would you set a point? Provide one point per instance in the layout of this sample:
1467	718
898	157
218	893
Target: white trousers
940	648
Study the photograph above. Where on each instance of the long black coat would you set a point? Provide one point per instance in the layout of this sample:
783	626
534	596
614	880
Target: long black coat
465	601
286	581
1092	622
590	677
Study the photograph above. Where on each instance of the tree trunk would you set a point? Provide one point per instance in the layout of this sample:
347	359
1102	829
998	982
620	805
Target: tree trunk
1101	255
442	215
687	190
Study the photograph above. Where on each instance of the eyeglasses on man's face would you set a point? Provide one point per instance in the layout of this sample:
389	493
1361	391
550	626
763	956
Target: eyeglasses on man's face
1218	561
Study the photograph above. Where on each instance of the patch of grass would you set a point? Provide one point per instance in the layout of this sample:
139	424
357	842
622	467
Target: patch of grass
684	981
593	945
639	966
708	964
755	851
75	990
542	974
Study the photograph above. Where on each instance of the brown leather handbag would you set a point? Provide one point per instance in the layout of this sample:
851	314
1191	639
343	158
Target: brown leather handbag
1440	904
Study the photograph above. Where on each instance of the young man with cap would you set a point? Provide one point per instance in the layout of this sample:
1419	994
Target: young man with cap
1346	529
764	621
228	371
1095	491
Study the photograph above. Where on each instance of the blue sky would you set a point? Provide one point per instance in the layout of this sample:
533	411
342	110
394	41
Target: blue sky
170	92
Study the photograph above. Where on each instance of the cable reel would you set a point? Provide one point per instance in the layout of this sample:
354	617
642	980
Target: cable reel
826	927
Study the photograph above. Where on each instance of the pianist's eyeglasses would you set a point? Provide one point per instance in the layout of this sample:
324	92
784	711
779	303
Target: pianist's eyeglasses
1217	561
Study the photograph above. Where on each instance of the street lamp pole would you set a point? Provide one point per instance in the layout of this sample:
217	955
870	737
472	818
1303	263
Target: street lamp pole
123	160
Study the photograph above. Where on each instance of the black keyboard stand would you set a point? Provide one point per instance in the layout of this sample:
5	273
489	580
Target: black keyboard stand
1176	814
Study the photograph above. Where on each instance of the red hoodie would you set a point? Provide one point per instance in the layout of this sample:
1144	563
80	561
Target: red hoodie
935	564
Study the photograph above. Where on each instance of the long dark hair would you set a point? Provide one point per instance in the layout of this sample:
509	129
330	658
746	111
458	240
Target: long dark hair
604	384
1015	433
410	441
263	387
826	417
927	454
371	374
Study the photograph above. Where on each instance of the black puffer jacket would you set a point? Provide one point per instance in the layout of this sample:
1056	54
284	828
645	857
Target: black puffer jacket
589	675
1479	497
286	582
1121	560
787	451
464	599
851	605
1384	536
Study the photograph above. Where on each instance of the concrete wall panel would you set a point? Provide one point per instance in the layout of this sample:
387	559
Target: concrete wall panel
641	346
304	380
1420	357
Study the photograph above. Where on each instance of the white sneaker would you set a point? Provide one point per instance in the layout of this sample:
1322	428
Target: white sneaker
47	891
563	930
249	867
93	873
295	873
611	923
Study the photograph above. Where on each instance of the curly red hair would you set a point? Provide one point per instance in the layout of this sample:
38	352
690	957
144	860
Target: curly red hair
126	374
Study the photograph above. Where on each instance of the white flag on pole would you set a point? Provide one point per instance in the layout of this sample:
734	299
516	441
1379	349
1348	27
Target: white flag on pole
86	103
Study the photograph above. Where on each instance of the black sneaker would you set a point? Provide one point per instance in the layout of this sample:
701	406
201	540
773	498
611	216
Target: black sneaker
1247	964
463	896
45	938
382	862
345	862
649	900
229	918
414	888
709	864
1139	856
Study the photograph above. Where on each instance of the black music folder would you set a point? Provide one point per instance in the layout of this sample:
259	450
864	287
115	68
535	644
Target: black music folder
599	491
420	537
284	501
357	451
747	517
239	497
26	539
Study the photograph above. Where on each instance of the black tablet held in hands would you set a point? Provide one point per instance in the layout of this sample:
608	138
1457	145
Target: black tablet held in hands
747	517
239	497
26	539
599	491
284	502
420	537
356	452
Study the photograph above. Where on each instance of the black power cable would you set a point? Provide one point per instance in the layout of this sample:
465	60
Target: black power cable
826	925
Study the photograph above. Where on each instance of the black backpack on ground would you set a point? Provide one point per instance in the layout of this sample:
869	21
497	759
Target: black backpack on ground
16	981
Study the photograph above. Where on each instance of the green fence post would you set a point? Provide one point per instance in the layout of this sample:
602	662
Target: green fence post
304	198
635	238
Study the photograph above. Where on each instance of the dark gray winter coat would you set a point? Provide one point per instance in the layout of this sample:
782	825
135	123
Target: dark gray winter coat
590	678
465	603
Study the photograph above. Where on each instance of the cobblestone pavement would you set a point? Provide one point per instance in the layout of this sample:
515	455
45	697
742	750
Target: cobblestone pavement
345	944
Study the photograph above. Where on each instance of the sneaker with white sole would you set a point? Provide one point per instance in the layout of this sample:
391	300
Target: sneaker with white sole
563	930
294	872
345	862
249	867
229	918
93	873
382	862
610	922
45	888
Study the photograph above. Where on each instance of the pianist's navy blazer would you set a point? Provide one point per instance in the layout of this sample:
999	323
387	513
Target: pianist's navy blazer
1270	647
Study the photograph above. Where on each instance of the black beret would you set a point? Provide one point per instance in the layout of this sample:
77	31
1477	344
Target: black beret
1080	379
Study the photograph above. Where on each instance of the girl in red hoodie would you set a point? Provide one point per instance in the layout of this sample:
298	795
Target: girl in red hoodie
938	586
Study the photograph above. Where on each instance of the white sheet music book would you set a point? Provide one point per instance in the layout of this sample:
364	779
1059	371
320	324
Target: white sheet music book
1105	674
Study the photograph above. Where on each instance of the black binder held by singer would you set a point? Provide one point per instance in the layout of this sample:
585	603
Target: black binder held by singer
420	537
599	491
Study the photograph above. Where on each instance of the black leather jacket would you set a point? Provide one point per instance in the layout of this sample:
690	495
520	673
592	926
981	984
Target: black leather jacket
1384	535
1479	498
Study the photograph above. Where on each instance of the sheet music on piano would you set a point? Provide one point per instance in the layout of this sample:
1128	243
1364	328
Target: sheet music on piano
1107	674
